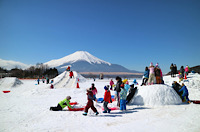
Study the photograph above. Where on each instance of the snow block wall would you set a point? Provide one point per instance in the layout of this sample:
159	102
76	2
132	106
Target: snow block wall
154	95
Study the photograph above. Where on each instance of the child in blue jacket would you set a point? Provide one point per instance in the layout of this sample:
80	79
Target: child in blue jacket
185	93
123	95
146	76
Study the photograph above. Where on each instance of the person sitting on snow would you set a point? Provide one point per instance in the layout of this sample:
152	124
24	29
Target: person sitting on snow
146	76
62	104
185	93
90	103
176	86
131	93
107	99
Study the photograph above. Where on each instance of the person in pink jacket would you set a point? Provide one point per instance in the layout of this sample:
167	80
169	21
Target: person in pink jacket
111	84
151	74
186	70
94	91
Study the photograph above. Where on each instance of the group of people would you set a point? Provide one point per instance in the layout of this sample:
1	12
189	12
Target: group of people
152	73
182	72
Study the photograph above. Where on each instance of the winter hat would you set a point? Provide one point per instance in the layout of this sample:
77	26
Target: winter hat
151	64
134	81
68	97
156	64
105	88
127	82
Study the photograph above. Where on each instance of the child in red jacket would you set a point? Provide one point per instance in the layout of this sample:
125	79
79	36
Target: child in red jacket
107	99
90	103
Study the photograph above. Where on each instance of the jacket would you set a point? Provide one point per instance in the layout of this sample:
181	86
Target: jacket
90	96
184	89
146	74
65	103
107	96
117	88
123	94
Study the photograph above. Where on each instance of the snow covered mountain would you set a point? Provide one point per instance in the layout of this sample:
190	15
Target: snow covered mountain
83	61
8	64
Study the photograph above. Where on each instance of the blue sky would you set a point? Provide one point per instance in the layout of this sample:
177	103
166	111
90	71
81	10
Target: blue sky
126	32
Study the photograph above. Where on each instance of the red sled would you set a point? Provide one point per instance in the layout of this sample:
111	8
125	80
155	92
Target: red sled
76	109
73	103
195	101
6	91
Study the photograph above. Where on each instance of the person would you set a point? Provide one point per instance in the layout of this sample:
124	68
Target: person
117	89
127	86
176	86
107	99
182	70
185	93
94	91
38	80
47	80
68	68
90	103
180	76
131	93
43	80
111	84
123	95
71	74
172	70
157	71
51	86
135	82
151	74
146	76
52	81
186	70
62	104
175	69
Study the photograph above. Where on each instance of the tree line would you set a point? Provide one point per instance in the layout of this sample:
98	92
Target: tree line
38	71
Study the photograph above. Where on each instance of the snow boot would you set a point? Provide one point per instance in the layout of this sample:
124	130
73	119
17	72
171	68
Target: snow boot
104	111
109	110
189	102
85	114
97	113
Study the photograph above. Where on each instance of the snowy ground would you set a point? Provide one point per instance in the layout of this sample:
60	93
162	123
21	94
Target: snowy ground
26	108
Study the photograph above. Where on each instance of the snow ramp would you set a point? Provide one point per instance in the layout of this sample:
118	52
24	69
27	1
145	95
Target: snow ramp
9	82
64	81
155	95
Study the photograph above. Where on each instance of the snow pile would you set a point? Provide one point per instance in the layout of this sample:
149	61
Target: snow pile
64	81
9	82
154	95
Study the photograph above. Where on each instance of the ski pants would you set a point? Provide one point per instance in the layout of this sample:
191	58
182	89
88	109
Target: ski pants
57	108
90	104
122	104
186	96
144	81
158	80
151	79
105	106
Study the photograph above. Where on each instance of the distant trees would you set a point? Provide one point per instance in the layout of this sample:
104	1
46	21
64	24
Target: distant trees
37	71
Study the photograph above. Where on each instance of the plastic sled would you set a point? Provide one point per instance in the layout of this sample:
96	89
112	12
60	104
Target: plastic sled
76	109
6	91
195	101
73	103
112	108
101	99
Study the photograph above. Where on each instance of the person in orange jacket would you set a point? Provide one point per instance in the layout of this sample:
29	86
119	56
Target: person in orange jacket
107	99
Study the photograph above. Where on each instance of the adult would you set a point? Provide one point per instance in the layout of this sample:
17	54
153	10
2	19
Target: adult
182	70
158	74
111	84
172	70
117	89
175	69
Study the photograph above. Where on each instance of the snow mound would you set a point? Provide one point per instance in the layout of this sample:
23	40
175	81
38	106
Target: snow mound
64	81
9	82
155	95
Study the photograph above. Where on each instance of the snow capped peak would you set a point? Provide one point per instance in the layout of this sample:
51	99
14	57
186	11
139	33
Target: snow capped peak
77	56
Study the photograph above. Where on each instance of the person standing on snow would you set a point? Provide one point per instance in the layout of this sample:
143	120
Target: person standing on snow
185	93
151	74
172	70
38	80
123	95
71	74
90	103
117	89
62	104
146	76
94	91
182	70
158	74
186	70
111	84
107	99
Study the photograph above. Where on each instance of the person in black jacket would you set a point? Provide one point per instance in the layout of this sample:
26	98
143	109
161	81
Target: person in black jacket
117	89
182	70
131	93
176	86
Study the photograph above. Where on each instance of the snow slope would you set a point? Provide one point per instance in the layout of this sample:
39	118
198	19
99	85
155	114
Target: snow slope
10	82
26	108
77	56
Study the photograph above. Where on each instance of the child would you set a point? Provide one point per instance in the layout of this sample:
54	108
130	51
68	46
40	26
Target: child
135	82
151	74
71	74
62	104
185	93
94	91
38	80
157	72
146	76
51	86
127	86
111	84
131	93
180	76
123	95
90	103
107	99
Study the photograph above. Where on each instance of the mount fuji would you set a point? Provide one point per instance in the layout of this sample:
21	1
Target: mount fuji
83	61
